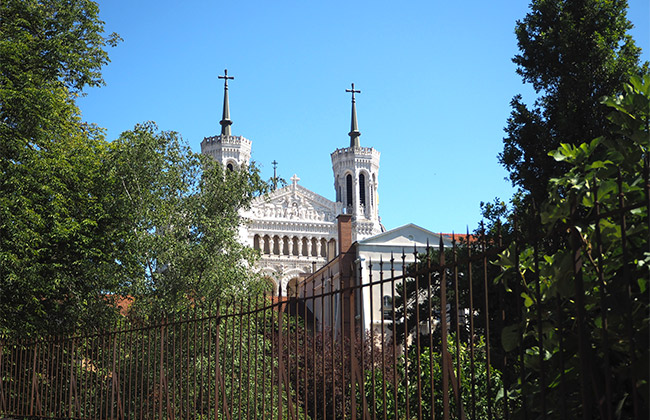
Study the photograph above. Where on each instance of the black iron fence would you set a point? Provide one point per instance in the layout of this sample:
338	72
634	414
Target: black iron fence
495	326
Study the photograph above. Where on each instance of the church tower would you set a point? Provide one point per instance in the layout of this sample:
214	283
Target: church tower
231	151
356	171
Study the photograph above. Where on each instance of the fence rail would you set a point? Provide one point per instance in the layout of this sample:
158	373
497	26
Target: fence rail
478	330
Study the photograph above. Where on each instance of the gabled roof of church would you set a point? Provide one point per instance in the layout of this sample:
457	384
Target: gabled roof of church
407	236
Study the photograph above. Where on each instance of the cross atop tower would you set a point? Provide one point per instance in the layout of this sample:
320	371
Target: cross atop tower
354	129
350	91
225	119
226	77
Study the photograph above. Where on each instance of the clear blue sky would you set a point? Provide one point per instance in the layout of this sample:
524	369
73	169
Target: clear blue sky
436	81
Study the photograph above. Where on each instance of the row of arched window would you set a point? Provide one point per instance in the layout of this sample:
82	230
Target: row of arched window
295	246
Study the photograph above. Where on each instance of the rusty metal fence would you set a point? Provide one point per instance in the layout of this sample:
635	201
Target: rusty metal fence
482	329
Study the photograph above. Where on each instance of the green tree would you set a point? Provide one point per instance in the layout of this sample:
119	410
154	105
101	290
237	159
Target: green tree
181	212
55	233
84	222
573	53
614	271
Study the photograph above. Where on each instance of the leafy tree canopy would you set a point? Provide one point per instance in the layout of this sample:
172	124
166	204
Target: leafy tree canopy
573	53
83	221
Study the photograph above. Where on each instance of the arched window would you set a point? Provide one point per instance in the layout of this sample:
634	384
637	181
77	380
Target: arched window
267	245
362	189
276	245
256	243
314	247
285	245
348	189
230	167
372	190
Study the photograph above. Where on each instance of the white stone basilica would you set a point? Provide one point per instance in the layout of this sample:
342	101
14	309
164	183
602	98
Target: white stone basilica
293	228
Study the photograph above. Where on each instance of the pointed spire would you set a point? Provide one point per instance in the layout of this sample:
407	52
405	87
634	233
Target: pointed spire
354	128
225	119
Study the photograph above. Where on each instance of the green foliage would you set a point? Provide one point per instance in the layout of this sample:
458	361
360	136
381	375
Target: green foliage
408	384
83	221
604	175
181	217
573	53
56	229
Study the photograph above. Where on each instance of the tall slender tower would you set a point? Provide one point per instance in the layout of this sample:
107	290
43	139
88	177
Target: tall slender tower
356	177
231	151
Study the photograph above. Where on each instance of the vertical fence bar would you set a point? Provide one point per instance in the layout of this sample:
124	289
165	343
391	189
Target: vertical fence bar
217	375
383	338
502	324
443	325
313	342
255	357
629	284
280	352
487	323
362	343
417	331
406	334
297	351
520	331
341	292
33	380
459	404
332	351
576	243
372	348
273	354
60	378
305	350
540	330
70	384
322	345
264	316
248	355
430	326
603	304
394	338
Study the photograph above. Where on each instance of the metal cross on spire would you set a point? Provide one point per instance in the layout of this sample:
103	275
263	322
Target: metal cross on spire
225	119
275	174
354	129
353	92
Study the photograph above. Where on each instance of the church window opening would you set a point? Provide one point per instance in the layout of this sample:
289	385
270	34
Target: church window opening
285	246
314	247
296	246
230	167
362	189
267	245
348	189
256	243
304	252
387	307
276	245
323	248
